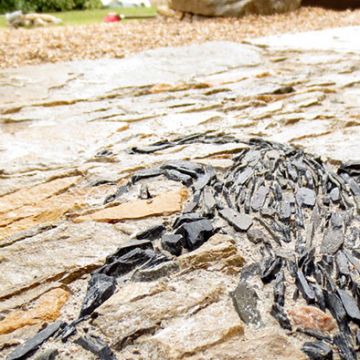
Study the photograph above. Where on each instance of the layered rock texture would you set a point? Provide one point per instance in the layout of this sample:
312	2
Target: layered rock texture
235	8
183	204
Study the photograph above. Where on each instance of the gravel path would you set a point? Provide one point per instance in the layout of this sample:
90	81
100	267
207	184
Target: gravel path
35	46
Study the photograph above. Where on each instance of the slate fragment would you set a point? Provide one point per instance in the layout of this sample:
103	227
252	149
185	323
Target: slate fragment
100	288
259	197
97	346
188	217
241	222
350	305
306	290
196	233
127	262
151	233
256	236
31	345
279	289
244	176
332	241
173	243
186	167
269	267
245	299
318	350
346	352
179	177
279	314
127	247
335	195
306	197
145	174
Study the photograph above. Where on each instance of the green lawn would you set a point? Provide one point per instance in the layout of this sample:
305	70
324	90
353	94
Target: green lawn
94	16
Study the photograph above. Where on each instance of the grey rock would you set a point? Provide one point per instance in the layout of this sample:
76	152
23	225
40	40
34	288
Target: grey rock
234	8
31	345
240	222
245	302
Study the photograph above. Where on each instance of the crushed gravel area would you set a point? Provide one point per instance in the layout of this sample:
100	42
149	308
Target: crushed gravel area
42	45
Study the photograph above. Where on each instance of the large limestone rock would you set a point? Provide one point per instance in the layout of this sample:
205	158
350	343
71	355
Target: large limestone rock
234	7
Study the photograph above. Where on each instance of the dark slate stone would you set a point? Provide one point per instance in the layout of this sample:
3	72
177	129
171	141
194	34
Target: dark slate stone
189	217
179	177
244	176
151	233
332	241
259	197
241	222
97	346
335	195
256	236
306	197
100	288
202	181
318	350
279	289
350	305
306	290
346	352
145	174
127	247
284	90
195	233
127	262
186	167
269	267
30	346
279	314
245	299
173	243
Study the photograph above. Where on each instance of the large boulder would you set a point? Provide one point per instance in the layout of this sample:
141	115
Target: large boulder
234	7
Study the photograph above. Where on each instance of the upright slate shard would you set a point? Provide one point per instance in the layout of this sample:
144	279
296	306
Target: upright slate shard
318	350
306	290
259	197
245	300
279	314
100	288
346	351
269	267
350	305
97	346
30	346
279	289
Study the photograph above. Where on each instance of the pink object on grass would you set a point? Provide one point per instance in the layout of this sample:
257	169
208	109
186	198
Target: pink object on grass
112	17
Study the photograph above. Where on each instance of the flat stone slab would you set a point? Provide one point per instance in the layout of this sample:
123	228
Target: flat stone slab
72	133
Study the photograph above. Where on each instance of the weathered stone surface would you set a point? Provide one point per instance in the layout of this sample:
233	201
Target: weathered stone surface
215	324
310	317
163	204
234	8
63	253
46	309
